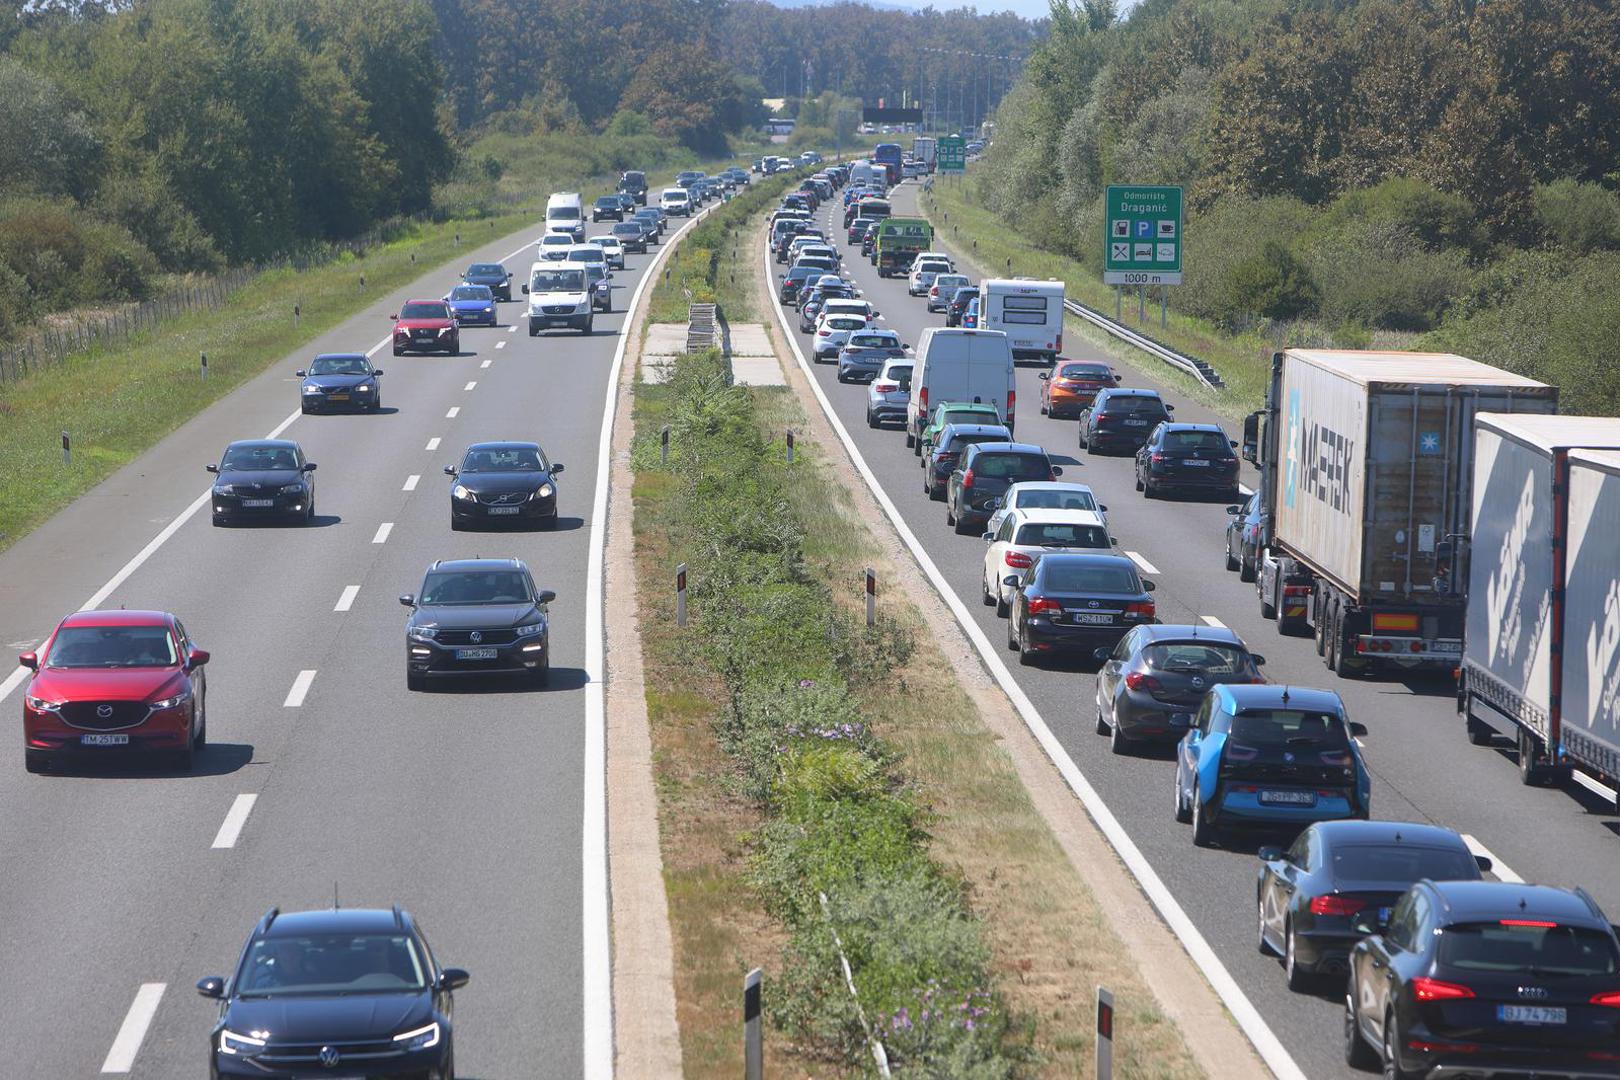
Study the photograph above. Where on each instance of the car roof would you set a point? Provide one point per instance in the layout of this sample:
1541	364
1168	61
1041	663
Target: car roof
1352	831
1272	695
1037	515
1477	901
1125	391
557	238
477	564
118	617
1190	632
351	355
426	300
1009	447
1052	485
262	444
1176	425
985	406
973	429
1086	558
337	921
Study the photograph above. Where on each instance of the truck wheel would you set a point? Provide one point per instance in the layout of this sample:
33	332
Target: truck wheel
1530	772
1319	619
1334	634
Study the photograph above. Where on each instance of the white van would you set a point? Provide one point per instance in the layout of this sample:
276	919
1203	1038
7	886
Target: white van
960	365
1029	312
565	213
675	200
559	295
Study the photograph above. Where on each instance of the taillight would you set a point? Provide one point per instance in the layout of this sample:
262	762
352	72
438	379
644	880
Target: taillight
1012	403
824	333
1336	905
1239	752
1144	608
1157	459
967	479
884	387
1136	680
1426	989
922	399
1039	605
1543	924
1018	560
1609	999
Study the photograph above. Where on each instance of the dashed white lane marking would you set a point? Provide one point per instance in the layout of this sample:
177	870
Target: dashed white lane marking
235	818
498	345
512	329
300	687
411	481
1141	563
486	363
1498	867
383	530
455	410
1213	621
433	443
346	600
1592	785
132	1033
469	385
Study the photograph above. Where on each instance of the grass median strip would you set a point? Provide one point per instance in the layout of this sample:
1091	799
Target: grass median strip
715	262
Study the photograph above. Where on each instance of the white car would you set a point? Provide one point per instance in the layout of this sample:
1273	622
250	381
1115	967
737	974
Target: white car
833	330
840	306
612	249
594	260
554	246
888	394
923	274
675	202
943	288
1046	495
1024	535
822	248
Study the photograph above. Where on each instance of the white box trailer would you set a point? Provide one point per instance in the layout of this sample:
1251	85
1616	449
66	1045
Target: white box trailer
1366	464
1527	525
1589	686
1029	312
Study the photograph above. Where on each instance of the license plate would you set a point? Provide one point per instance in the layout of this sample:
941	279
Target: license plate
1091	618
1445	646
503	509
1289	798
337	397
1532	1014
258	504
1196	463
476	654
103	740
1136	423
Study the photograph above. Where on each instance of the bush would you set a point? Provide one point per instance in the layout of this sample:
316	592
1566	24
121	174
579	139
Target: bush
1228	249
1576	216
68	258
1271	284
1380	274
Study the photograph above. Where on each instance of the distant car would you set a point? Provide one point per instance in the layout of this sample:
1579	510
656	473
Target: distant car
554	246
634	236
1071	386
1044	495
1243	537
503	483
943	288
1026	535
633	183
794	280
496	276
659	219
1187	458
607	208
1072	603
1485	978
832	331
1308	895
316	991
857	229
426	326
954	412
953	441
888	394
257	479
869	239
477	618
866	353
970	315
472	305
1152	683
1269	757
923	273
340	380
1121	419
114	683
814	300
675	202
628	203
984	473
612	248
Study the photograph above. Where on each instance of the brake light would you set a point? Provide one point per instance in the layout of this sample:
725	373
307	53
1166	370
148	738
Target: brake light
824	333
1157	459
967	479
1545	924
922	399
1426	989
1012	403
1609	999
1136	680
1336	905
1041	605
1018	560
1145	608
883	387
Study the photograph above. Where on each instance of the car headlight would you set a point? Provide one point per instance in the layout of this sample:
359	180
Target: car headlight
225	489
489	309
292	489
231	1042
42	704
546	491
421	633
443	330
422	1038
461	492
312	389
530	630
363	388
171	702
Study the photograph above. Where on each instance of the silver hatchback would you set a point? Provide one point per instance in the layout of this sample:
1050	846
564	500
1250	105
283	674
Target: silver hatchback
888	395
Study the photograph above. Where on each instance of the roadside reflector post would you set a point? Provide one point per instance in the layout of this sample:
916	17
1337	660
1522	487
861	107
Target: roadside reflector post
1119	303
204	366
680	595
790	446
1105	1034
67	450
298	315
362	283
413	258
663	446
753	1035
871	597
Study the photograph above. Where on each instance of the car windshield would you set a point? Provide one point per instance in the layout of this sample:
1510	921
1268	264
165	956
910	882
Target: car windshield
609	201
872	341
1085	371
563	213
322	964
1280	728
899	372
1012	466
1068	577
424	311
964	439
627	229
1049	499
475	587
471	292
258	459
1199	658
1401	862
845	322
1062	534
932	268
1194	440
592	256
112	647
965	414
486	270
1527	945
545	281
339	365
949	281
503	459
1134	404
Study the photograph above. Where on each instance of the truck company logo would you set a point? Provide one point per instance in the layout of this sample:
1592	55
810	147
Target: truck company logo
1600	654
1503	592
1318	460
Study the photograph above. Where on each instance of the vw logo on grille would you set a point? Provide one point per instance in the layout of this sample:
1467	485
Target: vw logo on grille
330	1057
475	637
104	711
1536	992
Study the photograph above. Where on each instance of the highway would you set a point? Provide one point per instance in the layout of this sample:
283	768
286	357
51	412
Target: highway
324	778
1424	768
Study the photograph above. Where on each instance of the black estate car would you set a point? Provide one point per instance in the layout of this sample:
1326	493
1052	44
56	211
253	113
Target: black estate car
1187	457
982	476
1151	684
498	482
344	992
1121	418
263	478
477	617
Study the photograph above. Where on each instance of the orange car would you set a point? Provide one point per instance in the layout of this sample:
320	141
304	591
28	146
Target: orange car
1067	390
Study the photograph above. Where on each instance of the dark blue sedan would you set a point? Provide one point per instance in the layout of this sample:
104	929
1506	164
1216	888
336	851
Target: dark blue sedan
496	276
340	381
472	305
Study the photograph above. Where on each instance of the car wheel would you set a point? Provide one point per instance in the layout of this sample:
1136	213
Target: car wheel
1102	725
984	591
1081	436
542	674
1012	636
185	759
1391	1055
1357	1054
1045	411
1247	569
871	421
413	681
1300	981
1231	563
1203	834
534	331
964	526
304	408
1183	815
1119	743
36	762
201	739
1261	945
1002	607
398	351
219	521
590	325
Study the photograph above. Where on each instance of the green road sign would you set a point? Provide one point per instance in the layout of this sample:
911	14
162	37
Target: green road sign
950	154
1142	236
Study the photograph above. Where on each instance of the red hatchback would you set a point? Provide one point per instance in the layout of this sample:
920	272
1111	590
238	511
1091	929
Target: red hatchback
426	326
112	682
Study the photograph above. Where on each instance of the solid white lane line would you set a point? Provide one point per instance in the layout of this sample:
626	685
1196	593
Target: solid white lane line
1142	564
1501	869
1213	621
346	601
411	481
383	530
300	687
454	411
235	818
121	1058
433	443
486	363
469	386
498	345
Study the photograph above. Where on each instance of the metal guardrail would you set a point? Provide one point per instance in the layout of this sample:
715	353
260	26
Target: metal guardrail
1191	365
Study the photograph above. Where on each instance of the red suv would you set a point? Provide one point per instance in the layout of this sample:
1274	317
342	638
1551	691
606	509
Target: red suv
426	326
112	682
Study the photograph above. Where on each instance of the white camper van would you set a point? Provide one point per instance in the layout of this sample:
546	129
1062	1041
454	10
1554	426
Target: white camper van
1029	312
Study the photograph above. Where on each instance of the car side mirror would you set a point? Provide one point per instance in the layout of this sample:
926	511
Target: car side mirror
29	660
1484	863
1101	509
1232	443
300	373
1113	541
1102	655
1148	586
1270	853
1043	376
1011	581
196	658
1366	922
1257	659
449	470
525	288
211	468
453	978
211	986
1169	408
407	600
395	316
1234	510
556	467
1057	470
309	466
547	596
377	371
1358	729
987	537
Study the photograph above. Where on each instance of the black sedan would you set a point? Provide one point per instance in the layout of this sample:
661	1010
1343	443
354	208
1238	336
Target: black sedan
340	381
501	482
1243	537
1151	683
1072	603
958	304
1187	458
262	479
497	277
1307	896
334	992
634	235
477	617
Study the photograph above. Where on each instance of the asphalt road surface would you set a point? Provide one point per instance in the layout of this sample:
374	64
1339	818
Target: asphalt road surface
1423	767
463	805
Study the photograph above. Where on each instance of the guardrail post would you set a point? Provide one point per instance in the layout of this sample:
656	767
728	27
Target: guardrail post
680	595
1105	1034
871	597
753	1035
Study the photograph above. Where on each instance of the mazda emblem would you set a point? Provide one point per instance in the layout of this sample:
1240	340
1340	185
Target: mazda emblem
330	1057
475	637
104	711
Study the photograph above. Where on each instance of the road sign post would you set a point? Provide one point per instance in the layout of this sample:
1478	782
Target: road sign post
950	154
1142	235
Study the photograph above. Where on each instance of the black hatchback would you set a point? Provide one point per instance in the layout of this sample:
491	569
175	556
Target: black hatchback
258	479
477	617
984	474
1121	419
1073	603
503	483
496	276
344	992
1151	683
1187	457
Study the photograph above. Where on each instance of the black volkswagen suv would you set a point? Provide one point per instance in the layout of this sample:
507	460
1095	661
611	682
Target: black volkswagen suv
477	617
334	993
